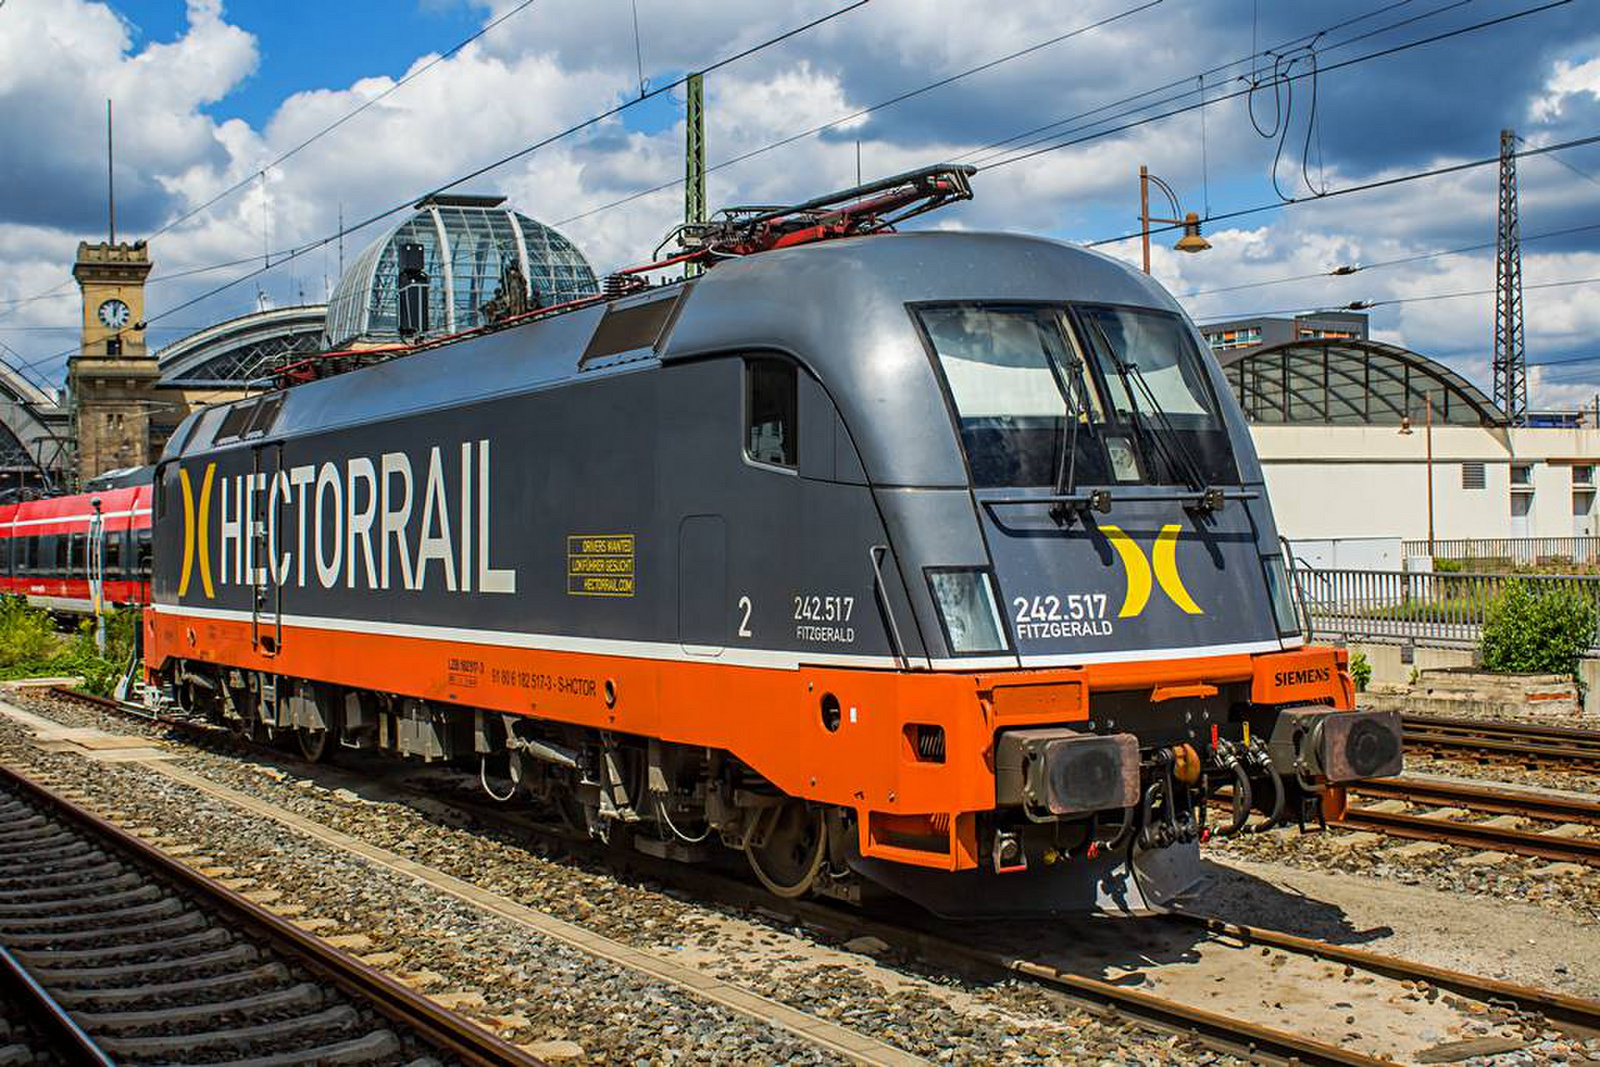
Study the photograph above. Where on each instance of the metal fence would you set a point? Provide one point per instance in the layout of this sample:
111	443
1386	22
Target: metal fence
1518	550
1437	610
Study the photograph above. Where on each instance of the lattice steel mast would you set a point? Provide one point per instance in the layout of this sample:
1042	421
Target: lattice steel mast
1510	357
694	174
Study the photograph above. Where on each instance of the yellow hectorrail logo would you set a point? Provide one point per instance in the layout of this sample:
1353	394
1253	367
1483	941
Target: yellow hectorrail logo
196	531
1164	557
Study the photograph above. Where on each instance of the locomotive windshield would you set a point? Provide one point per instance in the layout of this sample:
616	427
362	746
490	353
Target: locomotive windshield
1092	395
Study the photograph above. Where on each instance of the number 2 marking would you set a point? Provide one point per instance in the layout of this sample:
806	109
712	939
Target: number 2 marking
744	625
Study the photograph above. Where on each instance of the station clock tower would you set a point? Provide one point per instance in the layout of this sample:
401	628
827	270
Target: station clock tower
112	378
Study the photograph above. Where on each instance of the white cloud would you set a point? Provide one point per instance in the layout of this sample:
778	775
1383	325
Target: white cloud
1568	79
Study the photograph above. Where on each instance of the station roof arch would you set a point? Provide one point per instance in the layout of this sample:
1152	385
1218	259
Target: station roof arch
33	425
242	349
1352	382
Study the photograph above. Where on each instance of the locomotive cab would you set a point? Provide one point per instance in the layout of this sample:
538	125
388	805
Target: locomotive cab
1128	562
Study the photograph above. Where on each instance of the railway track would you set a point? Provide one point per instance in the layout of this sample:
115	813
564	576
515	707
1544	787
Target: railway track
1528	743
1566	837
1219	1030
119	953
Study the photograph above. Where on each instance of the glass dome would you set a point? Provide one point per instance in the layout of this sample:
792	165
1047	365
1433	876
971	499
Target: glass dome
472	246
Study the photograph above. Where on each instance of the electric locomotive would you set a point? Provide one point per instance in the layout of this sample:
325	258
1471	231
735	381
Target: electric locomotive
935	561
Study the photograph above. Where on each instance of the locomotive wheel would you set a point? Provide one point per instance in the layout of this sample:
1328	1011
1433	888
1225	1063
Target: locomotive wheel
315	745
796	845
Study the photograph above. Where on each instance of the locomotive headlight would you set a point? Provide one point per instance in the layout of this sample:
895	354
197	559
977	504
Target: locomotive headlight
969	610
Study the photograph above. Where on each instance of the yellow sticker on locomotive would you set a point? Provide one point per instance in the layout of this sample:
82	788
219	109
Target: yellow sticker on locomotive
601	565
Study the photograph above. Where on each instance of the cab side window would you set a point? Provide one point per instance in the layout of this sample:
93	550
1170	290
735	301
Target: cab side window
771	407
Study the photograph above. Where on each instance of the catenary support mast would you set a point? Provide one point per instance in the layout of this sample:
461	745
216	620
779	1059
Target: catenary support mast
1510	357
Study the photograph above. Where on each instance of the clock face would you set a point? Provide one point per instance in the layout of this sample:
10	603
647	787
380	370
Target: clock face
114	313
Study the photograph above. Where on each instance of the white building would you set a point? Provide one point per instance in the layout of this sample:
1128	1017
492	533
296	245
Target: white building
1343	430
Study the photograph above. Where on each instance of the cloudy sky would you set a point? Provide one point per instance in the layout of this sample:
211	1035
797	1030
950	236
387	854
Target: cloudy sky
209	94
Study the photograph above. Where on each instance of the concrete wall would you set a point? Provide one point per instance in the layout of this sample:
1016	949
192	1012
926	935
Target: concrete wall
1351	553
1372	481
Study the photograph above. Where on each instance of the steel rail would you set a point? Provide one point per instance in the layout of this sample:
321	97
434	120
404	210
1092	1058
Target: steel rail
1531	730
1229	1032
1554	744
1558	1007
399	1003
1478	798
1474	835
67	1038
1218	1032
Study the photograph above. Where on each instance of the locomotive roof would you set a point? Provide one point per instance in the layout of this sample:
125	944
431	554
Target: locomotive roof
837	306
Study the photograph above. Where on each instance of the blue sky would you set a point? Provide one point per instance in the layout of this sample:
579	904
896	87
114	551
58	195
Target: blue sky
306	46
208	92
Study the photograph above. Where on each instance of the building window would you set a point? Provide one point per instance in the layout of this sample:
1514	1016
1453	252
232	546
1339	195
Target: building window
1583	474
1245	337
1472	476
1522	474
1316	333
113	346
772	392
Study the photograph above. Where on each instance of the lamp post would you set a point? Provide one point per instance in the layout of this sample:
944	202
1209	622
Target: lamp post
1191	241
95	566
1405	428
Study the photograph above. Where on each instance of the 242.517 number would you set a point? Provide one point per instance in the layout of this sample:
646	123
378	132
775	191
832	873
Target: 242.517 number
1057	609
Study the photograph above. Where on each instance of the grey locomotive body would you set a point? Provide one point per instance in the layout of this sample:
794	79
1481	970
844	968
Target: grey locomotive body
939	558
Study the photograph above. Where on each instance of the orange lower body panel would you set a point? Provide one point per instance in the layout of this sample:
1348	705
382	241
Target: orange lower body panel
771	719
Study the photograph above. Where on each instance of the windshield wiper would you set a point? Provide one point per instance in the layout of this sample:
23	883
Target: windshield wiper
1191	471
1075	390
1178	460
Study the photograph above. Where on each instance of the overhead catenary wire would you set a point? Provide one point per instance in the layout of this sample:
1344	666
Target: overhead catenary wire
879	106
1009	57
1361	187
527	150
851	116
1364	305
1022	154
1360	268
1381	183
1132	98
287	253
260	172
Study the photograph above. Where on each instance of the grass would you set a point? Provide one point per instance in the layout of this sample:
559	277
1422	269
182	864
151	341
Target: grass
32	647
1447	609
1504	565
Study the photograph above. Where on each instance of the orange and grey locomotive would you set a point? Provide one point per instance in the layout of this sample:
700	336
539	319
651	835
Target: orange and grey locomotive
935	561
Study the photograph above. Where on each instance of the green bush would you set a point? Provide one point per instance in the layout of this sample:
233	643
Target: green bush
1448	566
1536	633
31	647
1360	671
26	636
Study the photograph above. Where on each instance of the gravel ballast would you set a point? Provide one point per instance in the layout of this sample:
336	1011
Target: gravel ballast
935	1016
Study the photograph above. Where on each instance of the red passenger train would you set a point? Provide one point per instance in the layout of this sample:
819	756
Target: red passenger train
56	551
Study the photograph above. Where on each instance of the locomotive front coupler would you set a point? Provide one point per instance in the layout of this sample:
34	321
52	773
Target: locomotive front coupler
1314	746
1167	804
